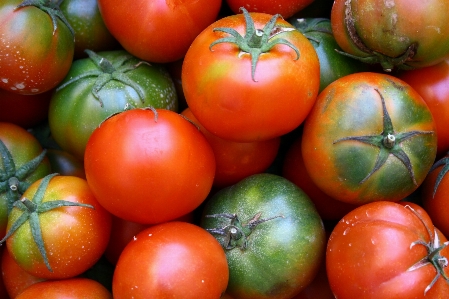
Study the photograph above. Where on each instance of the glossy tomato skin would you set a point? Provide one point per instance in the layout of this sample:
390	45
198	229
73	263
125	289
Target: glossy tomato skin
171	260
351	107
149	170
74	237
389	28
237	160
75	111
174	25
221	93
32	61
370	254
73	288
286	8
23	148
282	255
432	83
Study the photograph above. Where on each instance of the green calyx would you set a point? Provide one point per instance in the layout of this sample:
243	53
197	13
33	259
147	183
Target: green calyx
13	178
31	209
373	57
51	7
442	162
433	257
256	41
388	142
107	71
235	232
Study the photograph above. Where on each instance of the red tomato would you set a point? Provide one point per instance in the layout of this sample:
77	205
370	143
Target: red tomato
387	250
158	30
15	278
146	170
74	288
71	238
237	160
250	91
286	8
432	83
171	260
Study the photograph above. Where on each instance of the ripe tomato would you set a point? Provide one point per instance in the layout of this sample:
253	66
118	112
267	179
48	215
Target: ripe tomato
237	160
73	288
171	260
35	52
286	8
435	194
22	162
369	137
432	83
272	234
253	88
66	239
159	30
387	250
149	168
400	33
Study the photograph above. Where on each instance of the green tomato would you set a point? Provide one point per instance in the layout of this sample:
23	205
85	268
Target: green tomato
272	234
102	85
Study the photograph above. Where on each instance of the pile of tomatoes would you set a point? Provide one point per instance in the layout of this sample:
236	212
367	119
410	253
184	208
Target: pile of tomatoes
233	149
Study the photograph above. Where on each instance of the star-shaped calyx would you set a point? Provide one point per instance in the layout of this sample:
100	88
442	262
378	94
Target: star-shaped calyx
51	7
442	162
388	142
31	209
256	41
107	71
12	178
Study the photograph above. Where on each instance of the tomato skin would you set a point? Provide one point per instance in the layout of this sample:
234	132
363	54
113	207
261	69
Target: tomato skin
74	237
171	260
32	61
369	253
352	106
237	160
73	288
286	8
174	25
282	255
149	171
249	110
90	31
432	83
75	112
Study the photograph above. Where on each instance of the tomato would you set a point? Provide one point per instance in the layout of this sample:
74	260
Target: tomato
36	50
293	169
387	250
250	90
88	25
399	33
286	8
24	110
272	234
3	291
332	64
149	166
70	228
432	83
73	288
14	277
435	191
100	86
237	160
22	162
159	30
171	260
369	137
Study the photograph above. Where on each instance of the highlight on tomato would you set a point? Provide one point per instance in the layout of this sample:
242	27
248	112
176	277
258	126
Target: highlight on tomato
369	137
